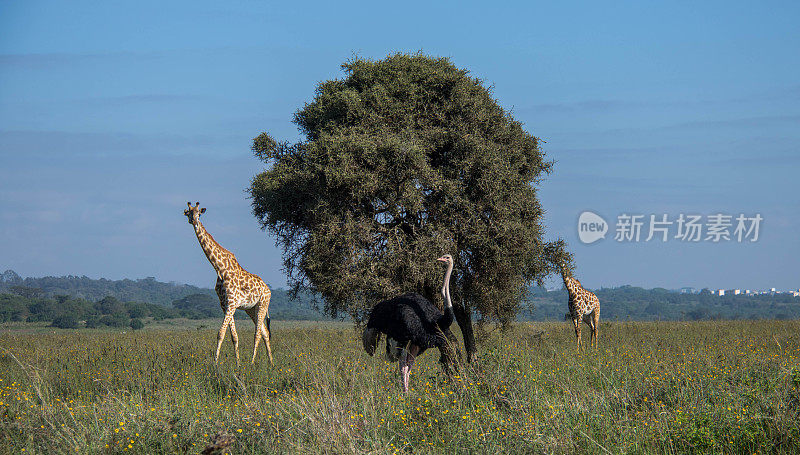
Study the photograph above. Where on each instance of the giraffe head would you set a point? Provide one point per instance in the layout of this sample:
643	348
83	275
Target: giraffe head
565	272
570	282
193	213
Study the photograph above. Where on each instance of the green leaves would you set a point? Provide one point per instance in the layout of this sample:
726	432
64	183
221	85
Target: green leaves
405	159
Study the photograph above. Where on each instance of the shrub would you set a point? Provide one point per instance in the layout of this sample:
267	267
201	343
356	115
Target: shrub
137	311
92	321
67	321
115	320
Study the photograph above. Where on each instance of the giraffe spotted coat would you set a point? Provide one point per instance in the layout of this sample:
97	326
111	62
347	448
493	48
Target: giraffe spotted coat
235	287
583	306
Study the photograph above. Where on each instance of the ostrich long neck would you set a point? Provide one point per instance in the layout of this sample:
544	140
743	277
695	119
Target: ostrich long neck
215	253
446	286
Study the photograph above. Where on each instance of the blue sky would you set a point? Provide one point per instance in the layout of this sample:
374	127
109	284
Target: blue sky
114	114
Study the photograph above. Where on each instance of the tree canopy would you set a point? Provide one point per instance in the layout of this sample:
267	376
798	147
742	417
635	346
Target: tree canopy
405	159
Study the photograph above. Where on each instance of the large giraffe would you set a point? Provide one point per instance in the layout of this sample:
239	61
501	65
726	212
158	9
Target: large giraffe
583	306
236	287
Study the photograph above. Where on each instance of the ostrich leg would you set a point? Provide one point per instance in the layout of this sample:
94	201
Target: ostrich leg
406	362
404	369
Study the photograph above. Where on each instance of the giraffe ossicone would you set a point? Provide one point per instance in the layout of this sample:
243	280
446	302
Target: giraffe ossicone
236	288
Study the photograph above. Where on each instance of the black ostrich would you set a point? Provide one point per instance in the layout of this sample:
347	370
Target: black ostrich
411	323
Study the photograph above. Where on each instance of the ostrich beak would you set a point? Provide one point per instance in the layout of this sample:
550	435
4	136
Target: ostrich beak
442	259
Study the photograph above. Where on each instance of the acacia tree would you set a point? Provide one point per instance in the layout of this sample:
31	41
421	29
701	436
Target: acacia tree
403	160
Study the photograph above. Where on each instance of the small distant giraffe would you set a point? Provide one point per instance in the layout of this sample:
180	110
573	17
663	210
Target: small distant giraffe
583	305
236	288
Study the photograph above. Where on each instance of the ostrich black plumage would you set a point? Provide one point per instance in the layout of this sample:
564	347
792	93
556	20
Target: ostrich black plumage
411	323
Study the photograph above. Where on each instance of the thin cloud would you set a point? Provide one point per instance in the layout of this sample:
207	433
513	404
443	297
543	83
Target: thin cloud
59	60
606	153
616	183
155	98
90	144
607	105
694	125
747	122
764	161
589	105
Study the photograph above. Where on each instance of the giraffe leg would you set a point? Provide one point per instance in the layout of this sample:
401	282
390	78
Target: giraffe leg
220	290
589	321
596	319
235	339
266	334
253	315
262	314
221	335
577	324
257	340
261	332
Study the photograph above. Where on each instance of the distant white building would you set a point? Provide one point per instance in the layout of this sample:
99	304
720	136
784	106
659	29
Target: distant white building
747	291
772	290
737	292
720	291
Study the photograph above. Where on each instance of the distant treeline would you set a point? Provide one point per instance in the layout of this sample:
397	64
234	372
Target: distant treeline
634	303
72	301
81	301
69	312
142	290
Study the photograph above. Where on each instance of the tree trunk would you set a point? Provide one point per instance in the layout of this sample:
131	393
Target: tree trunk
464	319
450	354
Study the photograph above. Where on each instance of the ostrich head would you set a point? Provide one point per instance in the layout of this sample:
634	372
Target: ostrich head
370	337
447	259
193	213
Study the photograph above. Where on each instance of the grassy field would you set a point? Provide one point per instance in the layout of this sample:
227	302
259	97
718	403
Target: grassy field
701	387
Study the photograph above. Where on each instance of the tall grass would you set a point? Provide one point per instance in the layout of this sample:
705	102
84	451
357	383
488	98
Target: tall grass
715	387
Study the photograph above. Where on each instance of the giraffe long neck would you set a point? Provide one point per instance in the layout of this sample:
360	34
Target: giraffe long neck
571	285
221	259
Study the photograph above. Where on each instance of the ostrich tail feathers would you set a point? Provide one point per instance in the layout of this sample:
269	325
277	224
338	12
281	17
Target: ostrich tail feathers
370	338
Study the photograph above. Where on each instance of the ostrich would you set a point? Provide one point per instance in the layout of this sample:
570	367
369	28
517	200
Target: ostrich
411	323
